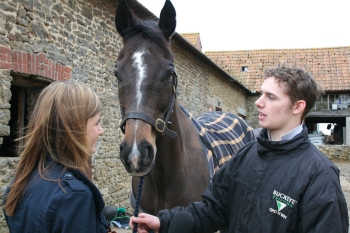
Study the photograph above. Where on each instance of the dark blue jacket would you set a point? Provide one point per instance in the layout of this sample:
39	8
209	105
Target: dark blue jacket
74	205
268	187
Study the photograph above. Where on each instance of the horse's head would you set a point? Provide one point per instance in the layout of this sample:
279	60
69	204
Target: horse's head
146	84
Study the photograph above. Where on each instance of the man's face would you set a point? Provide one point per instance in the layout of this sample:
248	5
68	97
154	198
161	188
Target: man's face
275	108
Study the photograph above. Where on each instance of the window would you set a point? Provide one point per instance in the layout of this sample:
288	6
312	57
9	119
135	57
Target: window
335	101
244	68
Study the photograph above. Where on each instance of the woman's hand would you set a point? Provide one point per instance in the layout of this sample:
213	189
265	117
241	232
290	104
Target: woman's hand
145	223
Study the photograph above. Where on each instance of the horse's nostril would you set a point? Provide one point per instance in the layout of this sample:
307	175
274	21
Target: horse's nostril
147	155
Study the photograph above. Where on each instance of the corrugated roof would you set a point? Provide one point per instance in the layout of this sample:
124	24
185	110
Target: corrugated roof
329	66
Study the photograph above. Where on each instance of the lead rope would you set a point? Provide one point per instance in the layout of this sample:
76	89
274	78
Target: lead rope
137	203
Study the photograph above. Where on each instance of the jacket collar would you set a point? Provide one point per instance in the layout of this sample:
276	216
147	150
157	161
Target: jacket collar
298	142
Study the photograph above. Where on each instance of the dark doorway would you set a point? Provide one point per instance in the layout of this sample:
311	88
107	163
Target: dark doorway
24	90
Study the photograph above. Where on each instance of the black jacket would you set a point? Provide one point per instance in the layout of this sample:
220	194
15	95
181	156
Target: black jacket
286	186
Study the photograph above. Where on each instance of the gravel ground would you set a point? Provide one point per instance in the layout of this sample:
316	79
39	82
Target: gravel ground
344	168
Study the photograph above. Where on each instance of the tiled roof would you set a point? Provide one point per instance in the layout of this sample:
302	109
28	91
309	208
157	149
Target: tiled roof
329	66
194	39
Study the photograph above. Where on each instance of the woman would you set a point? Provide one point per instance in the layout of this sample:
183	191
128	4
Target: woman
51	191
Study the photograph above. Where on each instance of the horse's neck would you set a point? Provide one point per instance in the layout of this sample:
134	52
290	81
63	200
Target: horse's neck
180	174
173	153
186	139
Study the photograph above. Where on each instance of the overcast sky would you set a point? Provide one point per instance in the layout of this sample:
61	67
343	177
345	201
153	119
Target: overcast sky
262	24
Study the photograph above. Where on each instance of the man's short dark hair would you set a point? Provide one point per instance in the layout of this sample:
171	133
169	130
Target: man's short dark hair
300	85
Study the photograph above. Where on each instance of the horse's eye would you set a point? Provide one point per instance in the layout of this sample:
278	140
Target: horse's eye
169	74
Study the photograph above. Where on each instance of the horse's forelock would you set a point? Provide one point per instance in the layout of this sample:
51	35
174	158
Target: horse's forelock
149	29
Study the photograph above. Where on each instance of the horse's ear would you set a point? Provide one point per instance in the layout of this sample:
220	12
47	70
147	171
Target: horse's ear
123	18
167	19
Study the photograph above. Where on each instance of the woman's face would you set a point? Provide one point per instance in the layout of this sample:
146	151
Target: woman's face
93	131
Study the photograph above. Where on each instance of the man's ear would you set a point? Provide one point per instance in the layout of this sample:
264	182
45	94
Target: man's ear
299	107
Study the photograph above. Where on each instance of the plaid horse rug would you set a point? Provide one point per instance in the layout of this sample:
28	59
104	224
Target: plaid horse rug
222	135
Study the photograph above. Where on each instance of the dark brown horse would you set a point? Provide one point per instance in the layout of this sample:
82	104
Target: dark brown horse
160	142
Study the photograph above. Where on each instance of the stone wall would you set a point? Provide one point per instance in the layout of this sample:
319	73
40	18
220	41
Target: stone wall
252	115
5	96
336	152
198	82
62	39
7	171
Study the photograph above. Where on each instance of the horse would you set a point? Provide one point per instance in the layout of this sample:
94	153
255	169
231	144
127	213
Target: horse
161	138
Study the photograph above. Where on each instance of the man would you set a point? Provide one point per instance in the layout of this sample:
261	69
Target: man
278	183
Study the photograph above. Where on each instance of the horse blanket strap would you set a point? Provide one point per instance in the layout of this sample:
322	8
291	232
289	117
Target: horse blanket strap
159	124
223	135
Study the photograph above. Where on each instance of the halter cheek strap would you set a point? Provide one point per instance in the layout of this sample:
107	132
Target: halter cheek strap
158	124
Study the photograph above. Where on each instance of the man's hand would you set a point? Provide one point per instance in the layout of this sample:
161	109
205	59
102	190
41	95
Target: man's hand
145	223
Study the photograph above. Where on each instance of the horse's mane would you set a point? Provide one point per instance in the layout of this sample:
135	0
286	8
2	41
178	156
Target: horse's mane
148	29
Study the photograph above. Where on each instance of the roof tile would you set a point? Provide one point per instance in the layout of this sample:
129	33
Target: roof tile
194	39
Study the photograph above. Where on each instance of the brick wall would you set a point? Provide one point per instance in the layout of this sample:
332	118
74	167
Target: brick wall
34	64
5	58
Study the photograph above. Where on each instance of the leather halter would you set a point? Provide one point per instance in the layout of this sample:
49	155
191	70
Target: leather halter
159	124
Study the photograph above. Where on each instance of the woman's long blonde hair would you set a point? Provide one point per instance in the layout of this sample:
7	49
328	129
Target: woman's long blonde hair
57	128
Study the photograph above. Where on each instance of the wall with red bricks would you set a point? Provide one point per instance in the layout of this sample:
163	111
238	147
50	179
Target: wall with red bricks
35	64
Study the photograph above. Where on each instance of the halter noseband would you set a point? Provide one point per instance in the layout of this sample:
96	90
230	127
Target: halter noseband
158	124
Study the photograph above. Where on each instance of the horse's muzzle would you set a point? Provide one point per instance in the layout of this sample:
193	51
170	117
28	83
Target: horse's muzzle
138	158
